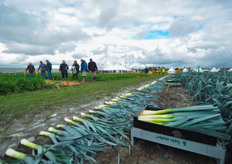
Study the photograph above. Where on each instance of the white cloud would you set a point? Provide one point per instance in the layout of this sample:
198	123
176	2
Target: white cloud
116	33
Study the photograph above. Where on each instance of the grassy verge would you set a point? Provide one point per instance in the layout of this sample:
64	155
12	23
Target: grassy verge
16	105
11	83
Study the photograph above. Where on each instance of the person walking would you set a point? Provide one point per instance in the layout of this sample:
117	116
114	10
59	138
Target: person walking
92	68
163	71
64	70
75	70
49	69
31	69
159	71
83	69
146	70
42	66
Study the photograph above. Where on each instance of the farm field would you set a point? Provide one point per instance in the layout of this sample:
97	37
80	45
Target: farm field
16	105
25	109
21	82
194	92
156	85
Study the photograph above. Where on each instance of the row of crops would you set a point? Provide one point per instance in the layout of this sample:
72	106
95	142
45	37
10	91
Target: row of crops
18	83
212	115
210	88
82	137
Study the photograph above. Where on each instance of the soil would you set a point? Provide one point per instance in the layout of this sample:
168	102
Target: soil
142	152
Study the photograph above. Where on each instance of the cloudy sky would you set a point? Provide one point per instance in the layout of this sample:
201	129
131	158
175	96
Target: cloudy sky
117	33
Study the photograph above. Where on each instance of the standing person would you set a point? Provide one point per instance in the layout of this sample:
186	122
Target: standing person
92	68
159	71
49	69
163	71
42	66
31	69
146	70
75	70
83	69
64	70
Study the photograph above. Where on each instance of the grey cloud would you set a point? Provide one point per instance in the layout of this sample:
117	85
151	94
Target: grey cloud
217	56
107	17
158	57
79	55
19	48
203	45
66	47
100	50
141	35
29	34
16	25
21	59
97	35
178	28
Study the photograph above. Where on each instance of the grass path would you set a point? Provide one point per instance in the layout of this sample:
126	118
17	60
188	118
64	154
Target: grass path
17	105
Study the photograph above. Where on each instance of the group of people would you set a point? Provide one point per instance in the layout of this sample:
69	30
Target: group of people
47	68
146	70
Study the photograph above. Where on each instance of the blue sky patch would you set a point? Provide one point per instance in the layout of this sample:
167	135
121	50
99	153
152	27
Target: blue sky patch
200	27
156	34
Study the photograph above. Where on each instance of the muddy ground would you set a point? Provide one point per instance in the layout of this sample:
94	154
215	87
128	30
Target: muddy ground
142	152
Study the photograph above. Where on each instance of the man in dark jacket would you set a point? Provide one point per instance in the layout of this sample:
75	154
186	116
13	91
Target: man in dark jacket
31	69
92	68
64	70
146	70
49	69
42	66
83	69
75	69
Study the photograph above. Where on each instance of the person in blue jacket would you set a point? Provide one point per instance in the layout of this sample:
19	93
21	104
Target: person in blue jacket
83	69
42	66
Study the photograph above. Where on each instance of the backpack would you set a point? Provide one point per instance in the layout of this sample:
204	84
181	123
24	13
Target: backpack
74	70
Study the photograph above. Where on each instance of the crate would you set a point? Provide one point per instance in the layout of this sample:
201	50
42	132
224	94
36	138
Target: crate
172	83
192	141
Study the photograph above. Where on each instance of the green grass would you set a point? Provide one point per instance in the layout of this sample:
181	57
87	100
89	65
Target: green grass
16	105
11	83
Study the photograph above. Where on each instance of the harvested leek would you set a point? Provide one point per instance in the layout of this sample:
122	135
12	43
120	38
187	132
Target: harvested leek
196	118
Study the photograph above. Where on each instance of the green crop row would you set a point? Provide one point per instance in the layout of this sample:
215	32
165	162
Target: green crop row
20	85
17	83
210	88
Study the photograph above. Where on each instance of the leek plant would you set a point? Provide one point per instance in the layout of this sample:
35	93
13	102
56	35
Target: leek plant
210	88
203	118
82	137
